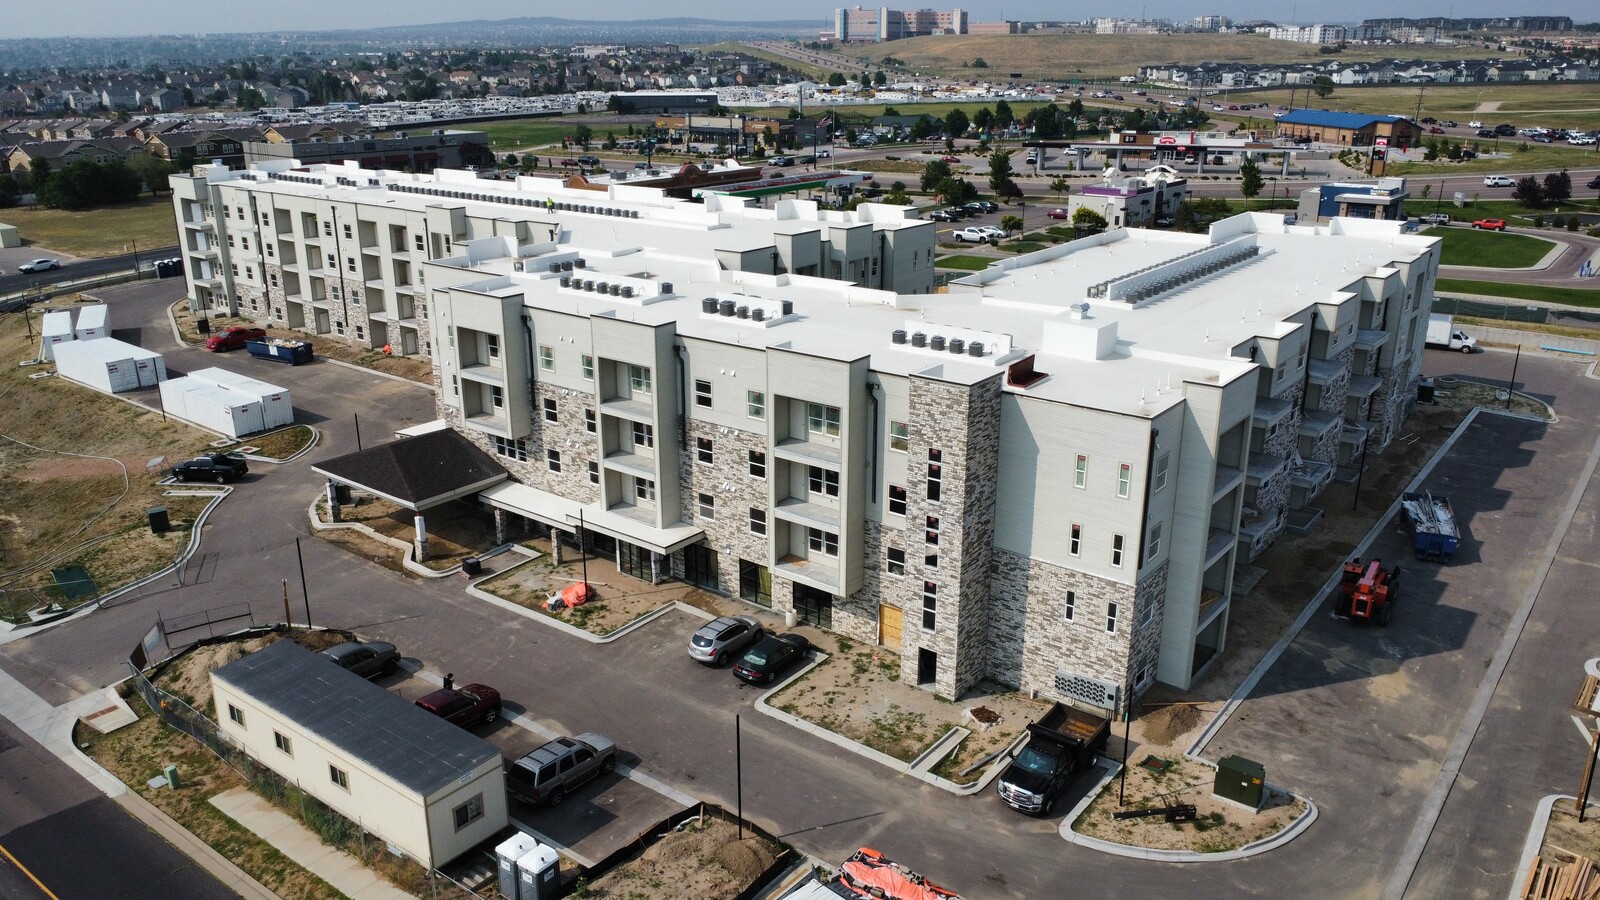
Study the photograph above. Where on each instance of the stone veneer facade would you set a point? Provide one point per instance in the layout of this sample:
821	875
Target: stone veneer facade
734	491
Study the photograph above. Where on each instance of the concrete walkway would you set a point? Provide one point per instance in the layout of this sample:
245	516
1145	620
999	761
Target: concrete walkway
301	844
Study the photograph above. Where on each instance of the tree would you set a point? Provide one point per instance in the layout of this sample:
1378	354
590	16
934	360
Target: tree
982	119
1558	187
980	63
1060	185
956	123
10	192
85	184
922	128
955	190
836	80
1003	115
1322	86
153	171
897	194
583	134
933	172
879	79
1000	172
1011	224
1075	108
1250	181
1087	219
250	98
1046	121
510	161
1529	191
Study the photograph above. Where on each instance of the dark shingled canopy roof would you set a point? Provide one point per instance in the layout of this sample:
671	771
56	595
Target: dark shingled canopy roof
418	472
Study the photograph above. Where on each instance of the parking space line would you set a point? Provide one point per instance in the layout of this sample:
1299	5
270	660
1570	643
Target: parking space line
1582	728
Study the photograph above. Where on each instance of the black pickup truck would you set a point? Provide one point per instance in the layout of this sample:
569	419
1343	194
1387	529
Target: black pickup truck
1060	745
218	467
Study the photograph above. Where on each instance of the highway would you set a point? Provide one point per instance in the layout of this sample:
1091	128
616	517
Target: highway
71	269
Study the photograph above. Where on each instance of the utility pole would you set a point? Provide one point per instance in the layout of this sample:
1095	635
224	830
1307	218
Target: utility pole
1420	89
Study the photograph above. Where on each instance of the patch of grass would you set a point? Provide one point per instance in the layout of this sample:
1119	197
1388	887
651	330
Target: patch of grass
965	262
1537	158
1471	247
281	444
515	134
1536	292
887	165
96	233
1022	246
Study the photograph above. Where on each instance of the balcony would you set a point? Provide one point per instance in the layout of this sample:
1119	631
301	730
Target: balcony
1370	339
632	410
1227	479
1269	411
639	465
1353	433
821	572
811	515
1315	424
1324	371
1263	468
1364	385
1311	475
484	374
1217	544
809	453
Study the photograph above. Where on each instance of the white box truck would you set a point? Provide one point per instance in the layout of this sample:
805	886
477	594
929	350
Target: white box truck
1443	333
56	329
93	322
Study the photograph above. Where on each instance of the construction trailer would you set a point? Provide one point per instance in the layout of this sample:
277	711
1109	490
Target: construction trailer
94	322
55	329
210	406
277	410
110	365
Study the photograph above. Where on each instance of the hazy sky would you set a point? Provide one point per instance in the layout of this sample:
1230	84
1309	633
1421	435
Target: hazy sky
98	18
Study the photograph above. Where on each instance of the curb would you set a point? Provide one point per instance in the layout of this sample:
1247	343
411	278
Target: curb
405	548
573	630
1530	846
316	438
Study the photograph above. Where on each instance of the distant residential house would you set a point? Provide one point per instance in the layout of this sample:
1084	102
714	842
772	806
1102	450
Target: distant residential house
324	131
290	97
93	128
24	156
225	146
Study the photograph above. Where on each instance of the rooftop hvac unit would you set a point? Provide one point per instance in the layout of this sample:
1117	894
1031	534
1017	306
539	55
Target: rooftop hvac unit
666	288
936	343
580	263
517	267
899	336
727	308
627	290
743	312
919	340
975	348
555	267
957	346
758	314
709	306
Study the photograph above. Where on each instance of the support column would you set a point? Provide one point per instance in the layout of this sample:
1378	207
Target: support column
335	512
421	524
555	546
1284	172
502	523
655	567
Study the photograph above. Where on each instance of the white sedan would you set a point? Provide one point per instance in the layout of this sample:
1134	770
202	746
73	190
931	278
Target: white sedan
39	265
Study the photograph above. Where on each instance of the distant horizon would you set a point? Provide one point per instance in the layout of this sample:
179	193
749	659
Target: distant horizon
133	19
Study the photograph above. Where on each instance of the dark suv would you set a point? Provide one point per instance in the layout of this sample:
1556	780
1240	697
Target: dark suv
218	467
368	659
548	774
466	706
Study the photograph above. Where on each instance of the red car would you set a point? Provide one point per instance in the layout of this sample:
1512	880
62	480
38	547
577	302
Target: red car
233	338
1058	214
465	706
1434	129
1490	224
950	159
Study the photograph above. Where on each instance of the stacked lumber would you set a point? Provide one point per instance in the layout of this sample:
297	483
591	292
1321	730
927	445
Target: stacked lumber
1587	692
1576	880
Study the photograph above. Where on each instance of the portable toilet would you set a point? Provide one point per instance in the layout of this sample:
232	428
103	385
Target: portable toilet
93	322
506	855
539	874
57	329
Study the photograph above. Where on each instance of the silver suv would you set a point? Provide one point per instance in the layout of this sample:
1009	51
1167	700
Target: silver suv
548	774
721	638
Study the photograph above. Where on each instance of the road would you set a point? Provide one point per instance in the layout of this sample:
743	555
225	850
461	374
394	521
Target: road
12	282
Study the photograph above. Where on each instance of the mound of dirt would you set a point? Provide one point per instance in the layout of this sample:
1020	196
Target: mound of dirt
745	859
706	861
1164	725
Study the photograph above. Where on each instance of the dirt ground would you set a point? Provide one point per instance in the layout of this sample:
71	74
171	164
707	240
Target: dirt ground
1219	825
705	861
1565	837
190	677
416	369
455	530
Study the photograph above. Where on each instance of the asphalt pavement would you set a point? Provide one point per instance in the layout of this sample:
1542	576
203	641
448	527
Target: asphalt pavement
71	268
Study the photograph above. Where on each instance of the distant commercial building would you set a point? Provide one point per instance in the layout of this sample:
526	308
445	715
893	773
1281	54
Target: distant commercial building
666	103
1211	23
1384	199
1308	34
860	25
1132	202
1349	129
404	151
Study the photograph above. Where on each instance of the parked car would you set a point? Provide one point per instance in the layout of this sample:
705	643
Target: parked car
1499	181
548	774
1166	222
465	706
218	467
1542	139
1594	182
982	206
950	159
39	265
590	161
1436	219
233	338
943	215
1058	213
1582	140
1475	124
974	234
1490	224
995	232
719	639
1485	132
770	656
368	659
781	161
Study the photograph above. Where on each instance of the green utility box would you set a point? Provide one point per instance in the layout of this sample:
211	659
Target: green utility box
1241	780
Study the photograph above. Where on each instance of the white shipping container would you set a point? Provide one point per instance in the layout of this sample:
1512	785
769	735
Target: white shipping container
277	410
229	412
174	392
109	365
93	322
152	370
57	329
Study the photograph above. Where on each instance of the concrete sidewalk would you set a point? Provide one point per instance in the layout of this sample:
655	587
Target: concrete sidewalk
338	868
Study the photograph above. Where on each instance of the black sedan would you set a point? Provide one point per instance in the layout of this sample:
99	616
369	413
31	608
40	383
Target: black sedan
771	656
218	467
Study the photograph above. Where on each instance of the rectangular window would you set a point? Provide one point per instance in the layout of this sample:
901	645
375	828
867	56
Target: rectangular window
492	342
1124	480
644	489
497	397
702	393
588	367
758	520
594	472
1075	540
1160	478
931	533
824	542
550	409
416	241
708	506
339	776
235	713
1147	612
894	561
755	404
638	379
758	464
703	452
822	420
930	604
590	424
547	358
552	459
468	812
282	742
822	481
897	500
1116	550
644	435
935	475
350	263
1153	545
1111	618
1071	608
899	436
1080	474
347	234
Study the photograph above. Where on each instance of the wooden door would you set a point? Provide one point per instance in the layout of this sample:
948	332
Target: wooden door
889	627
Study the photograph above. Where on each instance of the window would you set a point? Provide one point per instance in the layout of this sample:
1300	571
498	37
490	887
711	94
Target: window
639	379
282	742
235	713
644	489
1111	618
758	464
702	393
547	358
1071	607
552	458
1075	540
702	450
899	436
339	776
416	241
517	450
755	404
492	345
468	812
935	475
350	263
550	409
347	234
822	481
1116	550
894	561
1080	474
824	542
589	423
708	506
822	420
930	604
588	367
897	500
594	472
1160	479
1124	480
758	520
1153	545
644	435
1146	675
1147	612
497	397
